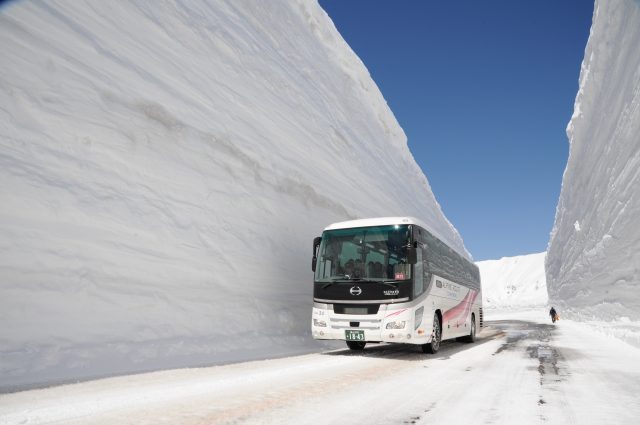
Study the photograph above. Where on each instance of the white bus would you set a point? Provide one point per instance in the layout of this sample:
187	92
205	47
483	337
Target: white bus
391	280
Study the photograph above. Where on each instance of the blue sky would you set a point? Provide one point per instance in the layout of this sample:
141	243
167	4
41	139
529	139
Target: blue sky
484	91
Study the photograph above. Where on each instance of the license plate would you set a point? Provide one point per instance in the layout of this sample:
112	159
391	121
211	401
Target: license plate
354	335
356	310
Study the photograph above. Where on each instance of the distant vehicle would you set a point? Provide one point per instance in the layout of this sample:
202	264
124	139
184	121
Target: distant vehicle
391	280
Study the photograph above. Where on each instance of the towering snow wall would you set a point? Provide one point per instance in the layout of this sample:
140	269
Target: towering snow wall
164	167
593	261
514	282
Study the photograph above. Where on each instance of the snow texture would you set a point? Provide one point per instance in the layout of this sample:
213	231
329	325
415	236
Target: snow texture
522	370
593	261
164	167
514	282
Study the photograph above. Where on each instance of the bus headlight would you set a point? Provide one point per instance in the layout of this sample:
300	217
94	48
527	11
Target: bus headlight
320	323
396	325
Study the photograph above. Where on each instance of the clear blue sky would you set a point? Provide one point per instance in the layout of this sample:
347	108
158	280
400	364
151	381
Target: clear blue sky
484	91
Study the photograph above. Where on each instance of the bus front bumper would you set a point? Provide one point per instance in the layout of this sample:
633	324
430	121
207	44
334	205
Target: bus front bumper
385	326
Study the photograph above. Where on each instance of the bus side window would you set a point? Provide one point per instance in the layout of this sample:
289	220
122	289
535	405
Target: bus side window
418	277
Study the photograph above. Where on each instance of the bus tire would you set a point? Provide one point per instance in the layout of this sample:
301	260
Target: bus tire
433	346
472	334
356	345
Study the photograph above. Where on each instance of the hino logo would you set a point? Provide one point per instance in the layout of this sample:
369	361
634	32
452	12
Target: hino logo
355	290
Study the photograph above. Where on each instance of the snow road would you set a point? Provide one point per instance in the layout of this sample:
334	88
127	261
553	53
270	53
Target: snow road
522	370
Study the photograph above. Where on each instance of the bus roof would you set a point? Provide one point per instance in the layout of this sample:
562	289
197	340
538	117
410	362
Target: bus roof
379	221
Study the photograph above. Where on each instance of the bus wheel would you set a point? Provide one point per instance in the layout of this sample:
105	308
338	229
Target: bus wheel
356	345
472	335
433	346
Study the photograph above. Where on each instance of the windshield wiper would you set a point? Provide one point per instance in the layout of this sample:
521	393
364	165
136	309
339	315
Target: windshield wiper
342	279
335	280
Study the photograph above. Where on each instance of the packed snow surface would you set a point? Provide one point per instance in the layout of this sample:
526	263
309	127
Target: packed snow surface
164	167
522	370
514	282
593	261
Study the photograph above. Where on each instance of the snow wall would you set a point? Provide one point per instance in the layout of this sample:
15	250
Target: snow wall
593	260
164	167
514	282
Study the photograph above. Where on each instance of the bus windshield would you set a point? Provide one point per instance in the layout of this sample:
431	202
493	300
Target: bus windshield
365	253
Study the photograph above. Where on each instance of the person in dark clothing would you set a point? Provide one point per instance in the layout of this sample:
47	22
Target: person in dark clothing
553	314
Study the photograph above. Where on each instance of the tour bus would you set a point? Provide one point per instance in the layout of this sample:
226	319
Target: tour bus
392	280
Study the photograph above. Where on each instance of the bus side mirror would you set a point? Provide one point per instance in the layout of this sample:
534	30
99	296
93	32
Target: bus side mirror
314	260
412	254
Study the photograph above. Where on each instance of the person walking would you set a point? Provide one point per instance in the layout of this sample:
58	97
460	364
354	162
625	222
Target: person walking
553	314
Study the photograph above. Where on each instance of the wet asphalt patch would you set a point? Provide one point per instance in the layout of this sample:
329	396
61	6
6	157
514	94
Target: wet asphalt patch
536	340
547	359
517	331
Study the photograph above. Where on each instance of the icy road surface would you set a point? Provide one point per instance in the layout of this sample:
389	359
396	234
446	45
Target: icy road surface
522	370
